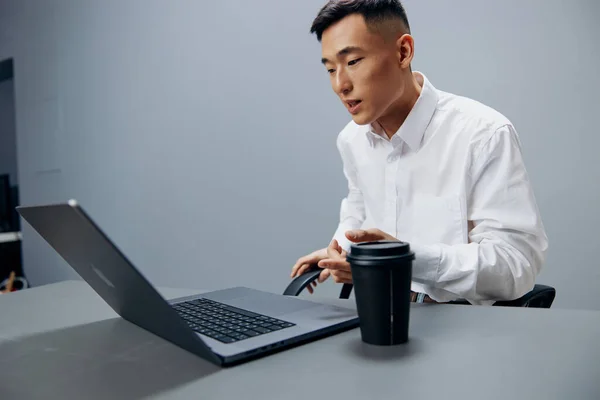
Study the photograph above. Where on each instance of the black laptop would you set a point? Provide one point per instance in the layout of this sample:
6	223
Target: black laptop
225	327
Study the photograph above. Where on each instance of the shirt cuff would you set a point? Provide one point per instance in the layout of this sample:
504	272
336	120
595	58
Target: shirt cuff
343	241
426	264
340	236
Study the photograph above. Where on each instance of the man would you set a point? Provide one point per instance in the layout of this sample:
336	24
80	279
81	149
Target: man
440	171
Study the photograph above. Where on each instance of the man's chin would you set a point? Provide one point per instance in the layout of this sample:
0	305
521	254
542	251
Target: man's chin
361	119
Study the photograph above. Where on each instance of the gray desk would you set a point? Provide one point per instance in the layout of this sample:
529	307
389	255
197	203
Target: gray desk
62	341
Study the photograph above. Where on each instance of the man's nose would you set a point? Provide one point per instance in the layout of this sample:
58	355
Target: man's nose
343	84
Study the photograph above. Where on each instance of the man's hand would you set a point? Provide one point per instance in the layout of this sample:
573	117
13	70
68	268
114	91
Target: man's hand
368	235
333	258
336	262
304	263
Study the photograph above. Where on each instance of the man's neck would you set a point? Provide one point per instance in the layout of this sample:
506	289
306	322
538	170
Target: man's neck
397	113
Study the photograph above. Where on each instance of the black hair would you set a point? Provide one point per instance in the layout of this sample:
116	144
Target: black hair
373	11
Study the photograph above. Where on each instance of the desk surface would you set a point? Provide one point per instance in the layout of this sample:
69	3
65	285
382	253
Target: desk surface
62	341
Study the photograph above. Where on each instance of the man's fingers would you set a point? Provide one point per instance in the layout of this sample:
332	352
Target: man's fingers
301	270
301	261
304	268
335	264
341	276
324	275
361	235
332	253
356	235
302	265
309	287
337	246
298	269
332	249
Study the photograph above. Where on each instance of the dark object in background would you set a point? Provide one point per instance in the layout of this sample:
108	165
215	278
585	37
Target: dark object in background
5	203
10	251
13	215
9	200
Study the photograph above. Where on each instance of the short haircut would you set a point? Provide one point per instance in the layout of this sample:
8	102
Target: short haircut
373	11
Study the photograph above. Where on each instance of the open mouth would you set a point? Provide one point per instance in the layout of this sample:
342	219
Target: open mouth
353	106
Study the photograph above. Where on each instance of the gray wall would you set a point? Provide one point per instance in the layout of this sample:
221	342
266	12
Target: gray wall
8	138
201	135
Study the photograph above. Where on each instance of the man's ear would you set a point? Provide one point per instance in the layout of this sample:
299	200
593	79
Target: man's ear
405	50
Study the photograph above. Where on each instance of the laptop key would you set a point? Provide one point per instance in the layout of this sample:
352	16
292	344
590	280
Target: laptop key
223	338
251	333
274	327
226	339
261	329
240	311
238	336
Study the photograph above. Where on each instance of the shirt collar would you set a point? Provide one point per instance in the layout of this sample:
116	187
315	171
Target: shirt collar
412	130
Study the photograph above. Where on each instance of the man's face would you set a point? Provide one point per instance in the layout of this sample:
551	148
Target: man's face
364	69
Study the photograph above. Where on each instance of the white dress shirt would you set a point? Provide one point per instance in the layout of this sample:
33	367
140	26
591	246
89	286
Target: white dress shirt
452	183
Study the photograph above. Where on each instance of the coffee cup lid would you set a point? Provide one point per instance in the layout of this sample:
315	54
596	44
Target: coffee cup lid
379	249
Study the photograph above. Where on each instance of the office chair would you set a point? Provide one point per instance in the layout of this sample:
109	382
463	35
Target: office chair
541	296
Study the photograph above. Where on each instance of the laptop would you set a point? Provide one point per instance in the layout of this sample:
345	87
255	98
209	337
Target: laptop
226	327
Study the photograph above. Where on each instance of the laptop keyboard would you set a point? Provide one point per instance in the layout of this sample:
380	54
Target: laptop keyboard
225	323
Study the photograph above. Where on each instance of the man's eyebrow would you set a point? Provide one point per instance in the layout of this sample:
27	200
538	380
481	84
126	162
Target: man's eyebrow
344	51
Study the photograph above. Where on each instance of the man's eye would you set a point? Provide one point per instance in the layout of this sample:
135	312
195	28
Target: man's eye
331	71
354	61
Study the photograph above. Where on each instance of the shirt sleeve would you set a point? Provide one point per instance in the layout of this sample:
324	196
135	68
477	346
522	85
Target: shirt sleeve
507	243
352	208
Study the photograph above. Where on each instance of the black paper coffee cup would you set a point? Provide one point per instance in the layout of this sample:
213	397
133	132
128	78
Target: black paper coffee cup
381	274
